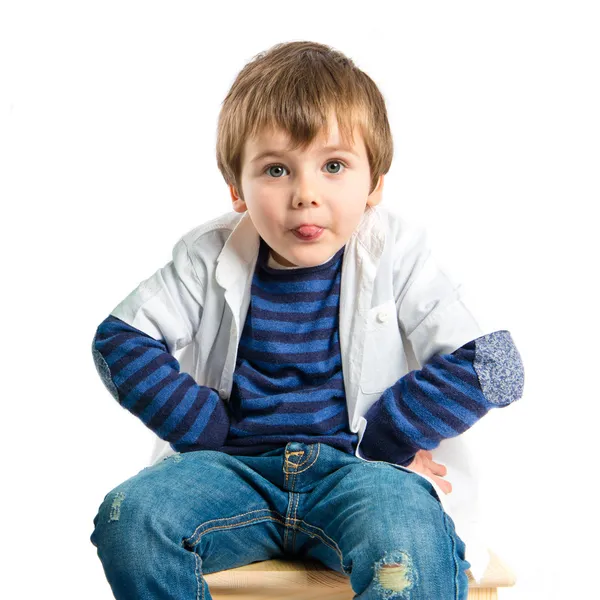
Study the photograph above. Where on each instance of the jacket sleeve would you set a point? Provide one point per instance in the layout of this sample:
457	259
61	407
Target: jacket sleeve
133	354
464	370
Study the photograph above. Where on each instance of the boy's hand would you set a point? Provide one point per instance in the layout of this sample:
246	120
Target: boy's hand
424	463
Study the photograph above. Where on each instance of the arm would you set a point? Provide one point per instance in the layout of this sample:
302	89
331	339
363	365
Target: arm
444	398
144	378
133	353
462	370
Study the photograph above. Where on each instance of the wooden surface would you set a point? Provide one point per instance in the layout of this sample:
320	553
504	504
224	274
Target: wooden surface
308	580
497	574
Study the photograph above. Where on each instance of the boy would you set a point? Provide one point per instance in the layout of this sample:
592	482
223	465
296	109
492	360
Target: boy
270	358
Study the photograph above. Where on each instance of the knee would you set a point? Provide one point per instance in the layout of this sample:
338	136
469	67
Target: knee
425	562
395	575
411	553
406	575
119	525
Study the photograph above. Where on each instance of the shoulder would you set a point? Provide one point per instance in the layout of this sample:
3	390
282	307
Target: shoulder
198	249
205	242
402	235
210	232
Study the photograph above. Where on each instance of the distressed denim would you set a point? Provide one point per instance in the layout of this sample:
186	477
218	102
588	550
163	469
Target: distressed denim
200	512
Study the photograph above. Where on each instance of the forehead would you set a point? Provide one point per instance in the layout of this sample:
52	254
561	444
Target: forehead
279	141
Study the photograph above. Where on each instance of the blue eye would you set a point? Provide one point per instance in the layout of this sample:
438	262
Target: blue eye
278	166
274	167
334	162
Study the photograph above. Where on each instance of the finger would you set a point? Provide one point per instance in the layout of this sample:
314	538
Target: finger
444	485
438	468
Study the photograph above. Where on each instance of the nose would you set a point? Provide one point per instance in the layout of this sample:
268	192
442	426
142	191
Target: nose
303	203
305	193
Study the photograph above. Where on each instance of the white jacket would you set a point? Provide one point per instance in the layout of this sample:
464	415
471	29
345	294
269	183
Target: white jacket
397	309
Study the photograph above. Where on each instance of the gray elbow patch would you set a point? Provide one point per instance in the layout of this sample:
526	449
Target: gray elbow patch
104	372
499	368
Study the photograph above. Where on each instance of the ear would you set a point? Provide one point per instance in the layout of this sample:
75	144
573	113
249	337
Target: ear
376	195
238	204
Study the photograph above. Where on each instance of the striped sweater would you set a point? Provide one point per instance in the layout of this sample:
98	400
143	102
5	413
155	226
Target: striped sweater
288	382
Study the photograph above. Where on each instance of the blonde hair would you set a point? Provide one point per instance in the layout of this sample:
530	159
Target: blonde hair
297	86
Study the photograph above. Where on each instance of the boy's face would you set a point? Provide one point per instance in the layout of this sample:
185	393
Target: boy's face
284	190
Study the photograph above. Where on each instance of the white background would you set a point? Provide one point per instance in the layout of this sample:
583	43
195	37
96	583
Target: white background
108	115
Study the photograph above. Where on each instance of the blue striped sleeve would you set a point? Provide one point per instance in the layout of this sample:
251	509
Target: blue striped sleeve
144	378
443	399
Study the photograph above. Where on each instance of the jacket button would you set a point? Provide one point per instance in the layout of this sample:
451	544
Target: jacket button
223	393
382	317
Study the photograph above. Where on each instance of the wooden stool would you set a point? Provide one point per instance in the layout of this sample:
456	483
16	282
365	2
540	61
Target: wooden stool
310	579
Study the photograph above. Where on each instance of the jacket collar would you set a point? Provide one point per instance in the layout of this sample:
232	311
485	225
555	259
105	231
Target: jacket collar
238	253
370	233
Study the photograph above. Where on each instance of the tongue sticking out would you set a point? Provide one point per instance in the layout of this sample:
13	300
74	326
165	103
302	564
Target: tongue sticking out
308	230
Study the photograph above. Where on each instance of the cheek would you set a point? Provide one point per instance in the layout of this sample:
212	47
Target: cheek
265	210
351	211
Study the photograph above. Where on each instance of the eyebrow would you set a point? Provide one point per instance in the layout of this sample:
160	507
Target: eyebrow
324	150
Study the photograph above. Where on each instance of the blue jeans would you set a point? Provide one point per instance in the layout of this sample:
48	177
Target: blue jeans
200	512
